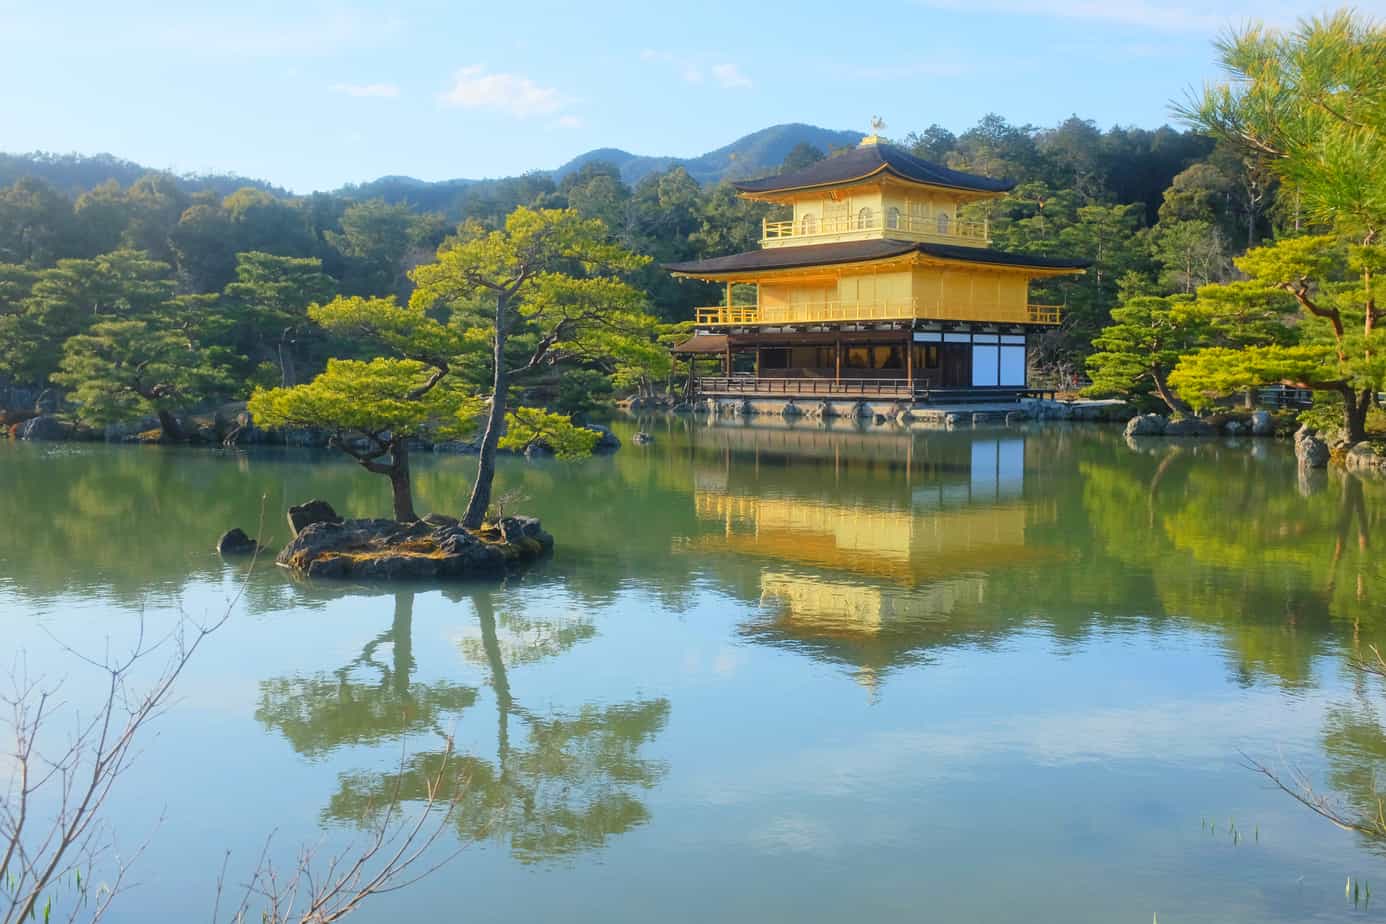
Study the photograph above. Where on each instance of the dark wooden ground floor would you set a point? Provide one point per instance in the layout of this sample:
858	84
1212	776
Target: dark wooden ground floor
923	365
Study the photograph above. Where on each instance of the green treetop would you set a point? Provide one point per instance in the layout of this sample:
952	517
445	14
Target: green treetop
269	301
542	289
120	369
65	299
373	409
1307	104
1143	343
1338	349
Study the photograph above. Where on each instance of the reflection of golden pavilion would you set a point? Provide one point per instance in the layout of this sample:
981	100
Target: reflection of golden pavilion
891	569
846	609
900	546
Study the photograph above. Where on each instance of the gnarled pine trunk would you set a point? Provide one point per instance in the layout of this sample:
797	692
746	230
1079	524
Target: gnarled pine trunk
1172	401
1355	407
401	488
480	500
173	433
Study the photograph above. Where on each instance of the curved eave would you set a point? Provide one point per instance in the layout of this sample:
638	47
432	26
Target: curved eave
780	192
837	257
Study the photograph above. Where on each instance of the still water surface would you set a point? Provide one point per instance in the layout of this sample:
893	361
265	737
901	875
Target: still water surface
770	674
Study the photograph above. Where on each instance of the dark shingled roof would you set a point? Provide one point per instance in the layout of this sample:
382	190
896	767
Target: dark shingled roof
703	343
860	251
867	160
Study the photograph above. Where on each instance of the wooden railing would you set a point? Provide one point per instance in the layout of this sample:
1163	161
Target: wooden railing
752	385
810	386
902	309
941	227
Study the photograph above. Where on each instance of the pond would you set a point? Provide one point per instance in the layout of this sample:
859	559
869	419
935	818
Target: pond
771	673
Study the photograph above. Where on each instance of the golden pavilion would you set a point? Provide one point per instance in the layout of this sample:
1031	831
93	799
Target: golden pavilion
876	288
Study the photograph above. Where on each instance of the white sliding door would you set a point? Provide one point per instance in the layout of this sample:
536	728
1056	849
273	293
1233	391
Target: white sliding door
986	360
1012	370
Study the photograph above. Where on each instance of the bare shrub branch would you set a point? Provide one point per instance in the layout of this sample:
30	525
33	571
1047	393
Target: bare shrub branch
396	855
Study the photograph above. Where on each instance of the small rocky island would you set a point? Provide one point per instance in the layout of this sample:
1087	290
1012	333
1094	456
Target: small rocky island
327	546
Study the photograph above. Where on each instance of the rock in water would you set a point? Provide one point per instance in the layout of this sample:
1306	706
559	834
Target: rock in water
236	542
1262	424
522	531
1189	426
642	439
1366	457
1311	451
315	511
606	440
1146	425
389	550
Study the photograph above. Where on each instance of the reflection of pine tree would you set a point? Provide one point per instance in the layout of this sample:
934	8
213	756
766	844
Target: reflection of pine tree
1227	541
319	714
571	783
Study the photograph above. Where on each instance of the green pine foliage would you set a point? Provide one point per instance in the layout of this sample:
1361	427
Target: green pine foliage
123	369
1263	220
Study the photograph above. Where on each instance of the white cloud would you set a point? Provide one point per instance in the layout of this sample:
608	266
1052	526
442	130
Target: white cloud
377	90
474	88
730	76
696	70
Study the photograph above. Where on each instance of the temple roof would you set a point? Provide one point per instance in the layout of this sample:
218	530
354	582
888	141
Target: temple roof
860	252
703	343
869	160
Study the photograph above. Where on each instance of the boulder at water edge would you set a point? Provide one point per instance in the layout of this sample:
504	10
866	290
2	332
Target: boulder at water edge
1146	425
606	440
1366	457
1311	451
1262	424
315	511
435	547
1189	426
236	542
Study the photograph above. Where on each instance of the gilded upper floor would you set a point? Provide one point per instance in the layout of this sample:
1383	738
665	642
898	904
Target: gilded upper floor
875	191
876	234
877	280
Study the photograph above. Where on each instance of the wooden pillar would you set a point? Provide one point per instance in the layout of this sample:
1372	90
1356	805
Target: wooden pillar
837	361
726	361
909	360
729	294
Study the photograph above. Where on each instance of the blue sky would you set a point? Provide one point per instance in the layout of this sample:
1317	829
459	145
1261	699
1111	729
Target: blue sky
311	94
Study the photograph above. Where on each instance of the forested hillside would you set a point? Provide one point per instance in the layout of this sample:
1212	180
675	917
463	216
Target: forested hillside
1156	211
74	174
753	155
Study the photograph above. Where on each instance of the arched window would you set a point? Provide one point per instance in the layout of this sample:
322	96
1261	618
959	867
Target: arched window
864	218
893	218
943	223
808	224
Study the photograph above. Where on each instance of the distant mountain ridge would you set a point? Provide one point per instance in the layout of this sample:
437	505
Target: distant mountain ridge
754	155
74	174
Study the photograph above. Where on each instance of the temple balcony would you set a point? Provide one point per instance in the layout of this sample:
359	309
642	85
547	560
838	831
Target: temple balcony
941	229
904	309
